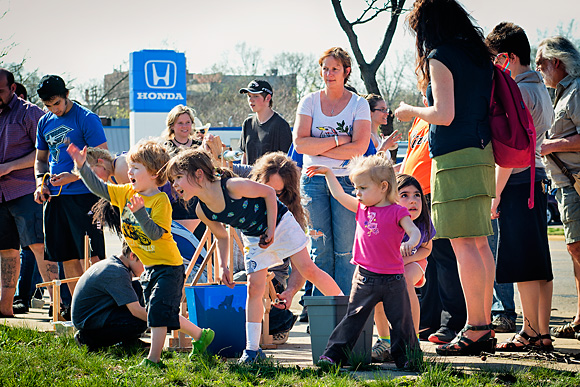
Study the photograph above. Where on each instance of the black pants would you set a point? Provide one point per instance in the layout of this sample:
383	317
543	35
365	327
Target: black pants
368	289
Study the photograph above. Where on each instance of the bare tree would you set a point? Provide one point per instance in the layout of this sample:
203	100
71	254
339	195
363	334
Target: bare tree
373	9
304	66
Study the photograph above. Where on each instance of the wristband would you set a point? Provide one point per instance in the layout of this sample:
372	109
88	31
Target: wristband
336	139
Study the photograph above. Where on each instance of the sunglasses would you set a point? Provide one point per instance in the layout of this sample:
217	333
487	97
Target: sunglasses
383	110
202	131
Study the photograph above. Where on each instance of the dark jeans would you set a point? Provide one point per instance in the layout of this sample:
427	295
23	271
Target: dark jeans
503	294
29	277
120	327
367	290
442	301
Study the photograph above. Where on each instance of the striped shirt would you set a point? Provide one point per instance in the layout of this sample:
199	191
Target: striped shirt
18	122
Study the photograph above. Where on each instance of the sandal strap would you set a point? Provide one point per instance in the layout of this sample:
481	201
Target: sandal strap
530	339
469	327
547	336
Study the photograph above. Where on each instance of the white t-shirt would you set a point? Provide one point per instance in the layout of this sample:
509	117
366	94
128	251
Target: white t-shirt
325	126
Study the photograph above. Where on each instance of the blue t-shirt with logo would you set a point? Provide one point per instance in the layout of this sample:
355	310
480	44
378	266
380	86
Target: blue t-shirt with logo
79	126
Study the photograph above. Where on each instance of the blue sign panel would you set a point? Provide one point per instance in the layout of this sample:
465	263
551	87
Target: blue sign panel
157	80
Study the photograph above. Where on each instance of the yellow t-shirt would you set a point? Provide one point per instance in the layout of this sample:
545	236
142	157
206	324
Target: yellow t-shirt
160	252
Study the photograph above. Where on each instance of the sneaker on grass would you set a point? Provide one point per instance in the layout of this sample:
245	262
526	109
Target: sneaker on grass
380	352
250	356
199	346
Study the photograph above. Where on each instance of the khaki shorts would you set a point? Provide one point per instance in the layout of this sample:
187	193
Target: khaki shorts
569	207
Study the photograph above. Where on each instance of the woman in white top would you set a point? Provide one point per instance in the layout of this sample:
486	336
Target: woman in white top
332	126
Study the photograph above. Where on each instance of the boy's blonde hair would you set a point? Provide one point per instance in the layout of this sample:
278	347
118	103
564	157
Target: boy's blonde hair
152	155
379	168
94	154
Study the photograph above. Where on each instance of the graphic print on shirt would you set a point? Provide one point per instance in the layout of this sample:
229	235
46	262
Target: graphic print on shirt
371	224
55	138
417	140
132	230
329	131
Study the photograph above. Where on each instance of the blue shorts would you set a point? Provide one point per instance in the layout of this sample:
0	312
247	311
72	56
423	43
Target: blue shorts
21	223
162	289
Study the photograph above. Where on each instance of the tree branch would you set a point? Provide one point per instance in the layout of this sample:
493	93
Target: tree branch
97	105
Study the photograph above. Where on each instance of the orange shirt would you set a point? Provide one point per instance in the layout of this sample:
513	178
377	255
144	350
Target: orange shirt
418	162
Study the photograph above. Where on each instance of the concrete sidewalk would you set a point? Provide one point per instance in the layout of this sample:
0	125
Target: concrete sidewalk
296	352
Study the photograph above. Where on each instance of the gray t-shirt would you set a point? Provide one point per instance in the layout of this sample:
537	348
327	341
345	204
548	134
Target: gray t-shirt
106	285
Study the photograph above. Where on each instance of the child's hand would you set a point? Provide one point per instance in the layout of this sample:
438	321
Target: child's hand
317	170
406	249
79	156
225	277
136	203
266	238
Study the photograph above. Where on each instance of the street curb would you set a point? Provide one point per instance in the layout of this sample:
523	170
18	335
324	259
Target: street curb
556	238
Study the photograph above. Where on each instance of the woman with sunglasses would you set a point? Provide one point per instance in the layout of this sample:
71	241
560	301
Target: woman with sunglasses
379	116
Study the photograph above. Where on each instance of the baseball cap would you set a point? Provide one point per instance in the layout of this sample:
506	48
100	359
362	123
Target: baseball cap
51	85
256	87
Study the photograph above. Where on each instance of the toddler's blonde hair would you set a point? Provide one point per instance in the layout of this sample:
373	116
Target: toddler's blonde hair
152	155
379	168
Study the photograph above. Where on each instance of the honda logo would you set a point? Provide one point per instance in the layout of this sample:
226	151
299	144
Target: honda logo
160	74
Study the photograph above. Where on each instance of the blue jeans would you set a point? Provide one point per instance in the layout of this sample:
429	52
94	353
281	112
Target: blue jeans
332	250
503	294
29	276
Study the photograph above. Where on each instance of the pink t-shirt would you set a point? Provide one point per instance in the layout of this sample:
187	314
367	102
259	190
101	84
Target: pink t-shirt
378	237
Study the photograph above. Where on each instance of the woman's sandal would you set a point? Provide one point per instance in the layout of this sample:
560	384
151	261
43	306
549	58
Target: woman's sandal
514	344
544	347
463	346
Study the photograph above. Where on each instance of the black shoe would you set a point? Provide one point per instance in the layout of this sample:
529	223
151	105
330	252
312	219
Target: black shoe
304	315
425	333
19	307
65	312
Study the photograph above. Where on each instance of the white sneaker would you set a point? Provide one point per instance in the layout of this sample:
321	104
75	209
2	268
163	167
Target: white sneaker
380	352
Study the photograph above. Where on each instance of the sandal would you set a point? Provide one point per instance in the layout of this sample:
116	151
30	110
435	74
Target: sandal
464	346
544	347
514	344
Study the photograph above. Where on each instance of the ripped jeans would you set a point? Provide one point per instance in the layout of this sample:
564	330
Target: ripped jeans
332	231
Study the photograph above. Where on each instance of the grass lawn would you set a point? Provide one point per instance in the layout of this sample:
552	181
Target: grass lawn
555	231
31	358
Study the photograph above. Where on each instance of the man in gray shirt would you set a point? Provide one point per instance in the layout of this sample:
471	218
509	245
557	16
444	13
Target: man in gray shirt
105	305
559	62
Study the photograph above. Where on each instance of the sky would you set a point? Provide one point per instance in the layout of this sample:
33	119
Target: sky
83	40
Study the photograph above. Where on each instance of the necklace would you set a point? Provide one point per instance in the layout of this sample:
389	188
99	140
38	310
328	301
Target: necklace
181	143
336	103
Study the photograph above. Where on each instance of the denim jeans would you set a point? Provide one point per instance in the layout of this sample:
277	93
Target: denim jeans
332	249
29	276
503	294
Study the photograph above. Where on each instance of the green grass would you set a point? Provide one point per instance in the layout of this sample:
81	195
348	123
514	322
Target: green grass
555	231
31	358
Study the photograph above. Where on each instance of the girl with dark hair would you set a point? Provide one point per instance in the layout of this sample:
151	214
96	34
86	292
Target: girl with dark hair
269	231
380	116
455	65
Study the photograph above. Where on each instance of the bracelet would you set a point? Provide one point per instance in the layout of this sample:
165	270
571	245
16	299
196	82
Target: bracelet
336	139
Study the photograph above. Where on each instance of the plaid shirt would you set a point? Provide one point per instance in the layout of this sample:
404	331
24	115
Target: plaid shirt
18	122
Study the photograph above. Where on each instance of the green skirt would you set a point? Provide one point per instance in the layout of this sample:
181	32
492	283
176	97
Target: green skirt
462	186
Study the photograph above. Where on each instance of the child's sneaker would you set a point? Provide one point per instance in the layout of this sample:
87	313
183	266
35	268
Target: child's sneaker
250	356
380	352
199	346
146	363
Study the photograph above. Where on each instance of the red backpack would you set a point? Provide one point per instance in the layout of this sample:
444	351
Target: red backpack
513	135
